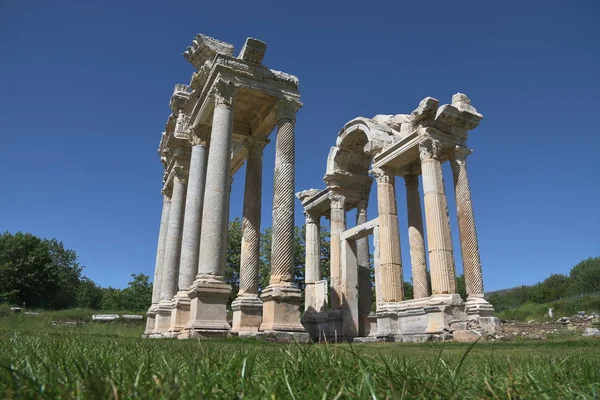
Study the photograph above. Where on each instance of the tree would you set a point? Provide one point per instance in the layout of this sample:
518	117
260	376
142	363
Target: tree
585	277
138	293
37	272
89	295
461	286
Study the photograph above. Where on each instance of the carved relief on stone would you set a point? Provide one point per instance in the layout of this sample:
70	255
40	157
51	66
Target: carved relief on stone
182	125
180	172
312	217
223	93
338	202
286	110
429	148
200	136
383	175
460	154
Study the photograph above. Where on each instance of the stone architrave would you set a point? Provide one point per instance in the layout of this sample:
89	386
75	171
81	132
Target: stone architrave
439	240
247	307
390	260
364	268
416	238
469	246
190	245
160	257
281	299
209	292
172	248
312	260
337	223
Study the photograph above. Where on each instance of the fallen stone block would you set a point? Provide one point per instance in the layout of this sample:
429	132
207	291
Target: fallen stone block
589	332
105	317
130	317
466	336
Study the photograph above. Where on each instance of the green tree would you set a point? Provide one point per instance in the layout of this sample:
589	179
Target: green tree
138	293
233	257
585	277
37	272
461	286
89	295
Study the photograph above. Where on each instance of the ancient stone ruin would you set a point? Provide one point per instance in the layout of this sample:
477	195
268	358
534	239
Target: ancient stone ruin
222	119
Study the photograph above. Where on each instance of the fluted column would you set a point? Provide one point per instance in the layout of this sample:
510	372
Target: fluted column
439	240
364	267
282	298
337	225
466	223
160	257
416	239
209	292
312	261
247	307
390	260
172	248
190	245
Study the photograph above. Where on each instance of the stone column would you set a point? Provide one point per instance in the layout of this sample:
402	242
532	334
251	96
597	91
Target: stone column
160	257
390	260
337	225
192	221
439	240
247	307
416	239
281	299
365	290
172	248
209	292
469	245
312	261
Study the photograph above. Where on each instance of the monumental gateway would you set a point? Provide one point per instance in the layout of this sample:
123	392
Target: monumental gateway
223	118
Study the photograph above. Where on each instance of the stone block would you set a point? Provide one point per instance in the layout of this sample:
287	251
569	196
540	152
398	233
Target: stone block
253	51
589	332
458	325
163	318
280	337
105	317
180	312
477	307
466	336
247	314
208	309
489	325
281	309
204	48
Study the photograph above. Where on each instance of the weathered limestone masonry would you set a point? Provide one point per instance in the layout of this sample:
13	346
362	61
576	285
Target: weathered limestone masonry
220	120
386	146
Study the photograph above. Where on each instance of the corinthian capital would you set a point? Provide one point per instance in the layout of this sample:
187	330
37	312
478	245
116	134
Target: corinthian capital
460	153
429	148
312	217
200	136
383	175
338	202
286	110
181	172
223	92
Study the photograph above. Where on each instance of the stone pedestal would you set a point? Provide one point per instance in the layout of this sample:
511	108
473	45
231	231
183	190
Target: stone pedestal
163	318
281	309
477	307
180	312
441	310
150	320
247	314
208	310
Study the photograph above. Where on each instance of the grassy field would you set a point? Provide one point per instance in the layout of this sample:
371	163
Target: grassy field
562	308
103	361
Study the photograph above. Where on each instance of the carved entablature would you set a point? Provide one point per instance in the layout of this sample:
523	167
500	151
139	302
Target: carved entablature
205	48
253	51
180	96
352	186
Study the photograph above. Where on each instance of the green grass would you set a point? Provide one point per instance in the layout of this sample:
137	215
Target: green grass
107	360
562	308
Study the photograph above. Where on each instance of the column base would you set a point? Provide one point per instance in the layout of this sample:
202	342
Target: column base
180	312
441	309
150	321
247	314
208	309
477	307
281	309
163	317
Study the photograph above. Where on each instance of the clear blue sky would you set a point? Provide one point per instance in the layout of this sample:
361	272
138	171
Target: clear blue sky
85	87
